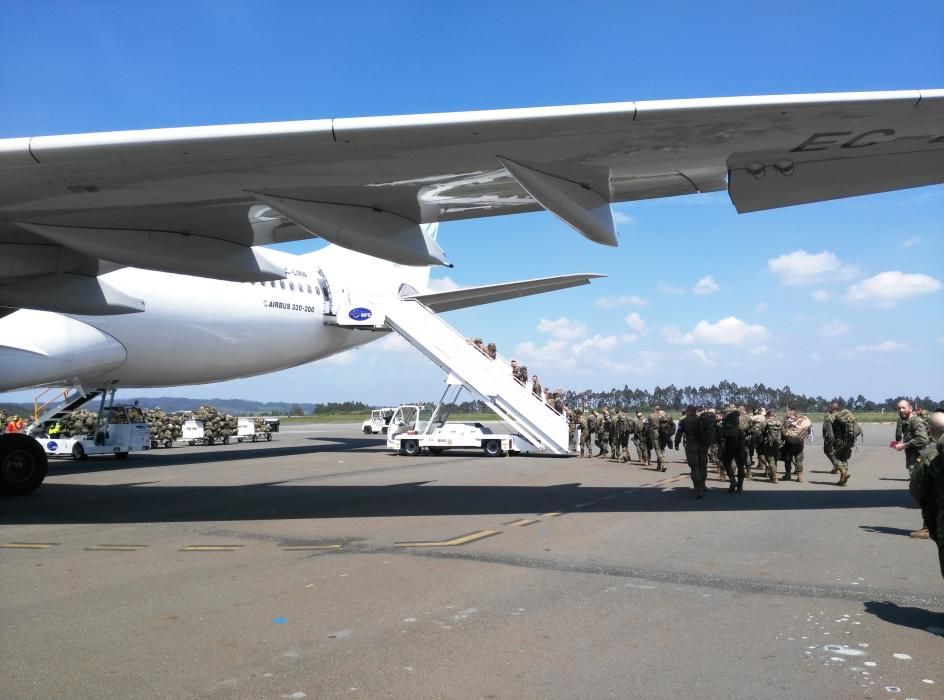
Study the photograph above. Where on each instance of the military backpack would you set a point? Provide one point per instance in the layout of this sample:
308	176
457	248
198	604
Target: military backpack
592	423
845	428
731	425
773	435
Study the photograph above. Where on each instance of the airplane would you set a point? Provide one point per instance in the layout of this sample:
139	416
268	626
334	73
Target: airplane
117	248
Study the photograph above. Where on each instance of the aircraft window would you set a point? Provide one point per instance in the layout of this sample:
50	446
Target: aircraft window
317	291
272	283
291	285
309	289
282	284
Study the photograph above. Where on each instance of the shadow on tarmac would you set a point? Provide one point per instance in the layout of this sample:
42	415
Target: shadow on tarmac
886	530
916	618
163	457
151	502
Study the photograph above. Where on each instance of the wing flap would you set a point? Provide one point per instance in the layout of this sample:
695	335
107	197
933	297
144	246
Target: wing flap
490	293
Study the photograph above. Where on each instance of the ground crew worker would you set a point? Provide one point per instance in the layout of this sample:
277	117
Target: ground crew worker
54	430
915	443
15	425
927	487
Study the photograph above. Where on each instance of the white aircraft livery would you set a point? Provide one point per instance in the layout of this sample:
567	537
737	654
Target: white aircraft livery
117	247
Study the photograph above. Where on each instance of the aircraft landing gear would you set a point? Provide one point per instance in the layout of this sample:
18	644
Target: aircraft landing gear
23	464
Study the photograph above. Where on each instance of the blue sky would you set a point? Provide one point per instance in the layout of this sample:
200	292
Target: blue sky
796	296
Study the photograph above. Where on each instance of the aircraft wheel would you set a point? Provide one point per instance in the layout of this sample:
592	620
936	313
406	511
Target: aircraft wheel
23	465
78	452
492	448
121	455
411	448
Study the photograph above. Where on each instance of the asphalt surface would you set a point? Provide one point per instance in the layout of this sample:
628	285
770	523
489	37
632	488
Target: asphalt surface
319	565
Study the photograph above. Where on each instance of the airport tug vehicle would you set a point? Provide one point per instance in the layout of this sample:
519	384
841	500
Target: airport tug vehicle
408	434
118	430
378	421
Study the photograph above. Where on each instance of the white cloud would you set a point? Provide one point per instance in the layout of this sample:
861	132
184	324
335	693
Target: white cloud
636	322
759	350
613	302
800	267
884	346
727	331
888	288
562	328
820	295
342	358
666	288
833	329
702	357
597	342
442	284
706	285
620	217
910	242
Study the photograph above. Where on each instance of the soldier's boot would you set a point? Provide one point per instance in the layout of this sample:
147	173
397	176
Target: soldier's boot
699	490
921	534
740	488
732	485
799	476
843	477
835	470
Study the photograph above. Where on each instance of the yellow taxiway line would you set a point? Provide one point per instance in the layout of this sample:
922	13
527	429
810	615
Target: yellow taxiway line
455	542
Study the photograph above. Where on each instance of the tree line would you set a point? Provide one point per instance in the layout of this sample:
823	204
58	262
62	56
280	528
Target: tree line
676	398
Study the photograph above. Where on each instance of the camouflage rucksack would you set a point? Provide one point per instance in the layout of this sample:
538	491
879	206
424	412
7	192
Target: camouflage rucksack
666	426
622	423
845	428
705	428
731	425
774	433
592	423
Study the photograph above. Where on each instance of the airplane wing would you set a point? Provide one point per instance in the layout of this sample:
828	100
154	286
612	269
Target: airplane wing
203	200
487	294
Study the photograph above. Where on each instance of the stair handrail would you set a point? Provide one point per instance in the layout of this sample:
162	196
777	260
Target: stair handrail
62	394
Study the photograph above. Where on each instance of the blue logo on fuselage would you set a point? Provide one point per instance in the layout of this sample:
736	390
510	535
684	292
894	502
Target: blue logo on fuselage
359	314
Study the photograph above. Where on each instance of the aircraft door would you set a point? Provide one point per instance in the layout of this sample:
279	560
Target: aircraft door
325	290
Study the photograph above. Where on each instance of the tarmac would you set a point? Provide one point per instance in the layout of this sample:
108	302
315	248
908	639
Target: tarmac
320	565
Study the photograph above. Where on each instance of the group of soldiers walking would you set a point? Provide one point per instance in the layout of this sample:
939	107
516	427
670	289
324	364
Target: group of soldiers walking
732	439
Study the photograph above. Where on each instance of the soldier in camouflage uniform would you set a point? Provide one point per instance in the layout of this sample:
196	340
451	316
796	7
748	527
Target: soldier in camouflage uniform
603	433
744	424
696	430
641	438
836	444
623	429
586	447
758	423
915	443
573	418
794	436
614	434
657	424
773	443
927	486
732	447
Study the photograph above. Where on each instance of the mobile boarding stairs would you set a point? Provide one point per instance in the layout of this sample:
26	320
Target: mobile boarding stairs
512	401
